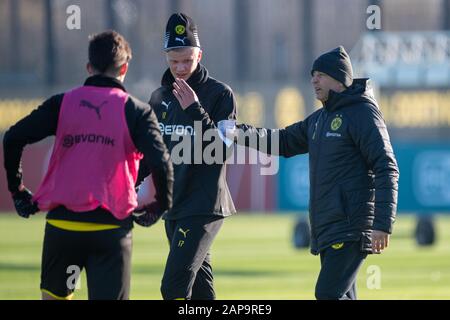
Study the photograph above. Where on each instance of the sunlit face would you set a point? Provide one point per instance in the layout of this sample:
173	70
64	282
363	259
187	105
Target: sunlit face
323	83
183	61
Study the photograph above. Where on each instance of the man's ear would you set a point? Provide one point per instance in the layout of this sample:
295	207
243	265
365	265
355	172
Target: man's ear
200	54
123	69
90	68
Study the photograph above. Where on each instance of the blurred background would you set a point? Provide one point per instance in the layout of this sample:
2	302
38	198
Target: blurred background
264	50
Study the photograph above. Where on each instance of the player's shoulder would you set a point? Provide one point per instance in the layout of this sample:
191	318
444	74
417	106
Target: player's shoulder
362	111
218	85
312	117
56	99
159	95
53	103
136	107
361	101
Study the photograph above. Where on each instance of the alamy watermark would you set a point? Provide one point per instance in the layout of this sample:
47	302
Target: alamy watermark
73	280
373	22
374	277
73	21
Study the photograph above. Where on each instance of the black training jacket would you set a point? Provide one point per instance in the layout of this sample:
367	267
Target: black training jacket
199	188
353	170
144	131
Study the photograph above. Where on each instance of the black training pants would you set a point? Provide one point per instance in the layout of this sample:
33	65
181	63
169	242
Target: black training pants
339	267
188	272
106	256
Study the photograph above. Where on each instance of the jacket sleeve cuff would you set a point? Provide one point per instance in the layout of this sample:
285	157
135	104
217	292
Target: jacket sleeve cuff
195	111
385	227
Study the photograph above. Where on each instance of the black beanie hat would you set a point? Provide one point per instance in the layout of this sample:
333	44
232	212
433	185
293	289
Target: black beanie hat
335	63
181	31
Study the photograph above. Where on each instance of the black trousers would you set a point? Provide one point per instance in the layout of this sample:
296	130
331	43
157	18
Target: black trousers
188	273
340	264
106	255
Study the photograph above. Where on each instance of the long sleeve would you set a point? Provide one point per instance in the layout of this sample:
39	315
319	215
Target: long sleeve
371	136
147	138
224	109
287	142
39	124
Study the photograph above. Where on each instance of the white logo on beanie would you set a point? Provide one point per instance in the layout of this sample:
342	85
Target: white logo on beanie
166	39
181	40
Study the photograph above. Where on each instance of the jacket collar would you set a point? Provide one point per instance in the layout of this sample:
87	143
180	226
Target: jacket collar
359	91
199	77
103	81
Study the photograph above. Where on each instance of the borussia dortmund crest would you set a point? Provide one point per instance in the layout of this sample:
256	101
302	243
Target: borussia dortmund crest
180	29
336	123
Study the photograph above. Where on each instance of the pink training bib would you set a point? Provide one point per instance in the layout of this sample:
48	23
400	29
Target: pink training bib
94	161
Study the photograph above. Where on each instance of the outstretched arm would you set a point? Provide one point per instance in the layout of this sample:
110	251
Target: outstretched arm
285	142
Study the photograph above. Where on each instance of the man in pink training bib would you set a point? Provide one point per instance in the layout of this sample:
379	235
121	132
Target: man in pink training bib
102	133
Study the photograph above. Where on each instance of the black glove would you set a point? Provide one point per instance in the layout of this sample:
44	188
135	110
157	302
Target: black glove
24	203
147	215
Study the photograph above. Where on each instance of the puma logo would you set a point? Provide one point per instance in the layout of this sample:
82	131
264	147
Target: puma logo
87	104
165	104
183	232
181	40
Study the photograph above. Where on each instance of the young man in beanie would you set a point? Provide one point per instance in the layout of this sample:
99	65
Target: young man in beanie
89	188
201	196
353	172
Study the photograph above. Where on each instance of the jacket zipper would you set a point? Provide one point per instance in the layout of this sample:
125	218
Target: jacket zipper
313	187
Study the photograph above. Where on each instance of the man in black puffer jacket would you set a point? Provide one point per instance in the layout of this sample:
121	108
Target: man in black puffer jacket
353	172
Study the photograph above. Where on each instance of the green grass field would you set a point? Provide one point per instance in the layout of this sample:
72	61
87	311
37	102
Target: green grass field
253	258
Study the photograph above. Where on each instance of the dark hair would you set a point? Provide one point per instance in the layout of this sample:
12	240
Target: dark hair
108	51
